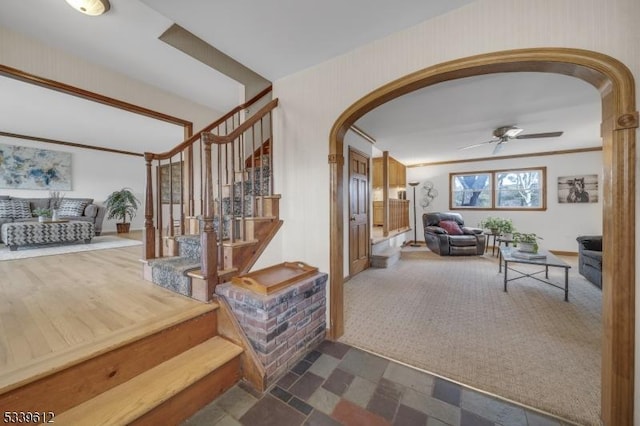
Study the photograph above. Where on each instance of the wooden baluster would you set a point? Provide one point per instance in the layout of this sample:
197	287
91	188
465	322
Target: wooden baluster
252	176
170	230
149	231
220	208
232	223
208	239
159	207
270	154
182	193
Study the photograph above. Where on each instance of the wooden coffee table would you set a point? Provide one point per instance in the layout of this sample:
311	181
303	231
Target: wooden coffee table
507	256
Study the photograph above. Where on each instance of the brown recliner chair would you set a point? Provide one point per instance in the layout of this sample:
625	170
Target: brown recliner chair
446	235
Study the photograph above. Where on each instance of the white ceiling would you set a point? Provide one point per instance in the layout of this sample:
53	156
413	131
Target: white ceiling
274	38
432	124
26	109
277	38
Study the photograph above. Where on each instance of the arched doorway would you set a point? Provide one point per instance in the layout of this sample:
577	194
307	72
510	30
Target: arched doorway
615	83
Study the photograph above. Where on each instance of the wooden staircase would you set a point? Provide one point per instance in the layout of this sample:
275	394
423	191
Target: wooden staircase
182	272
160	374
221	231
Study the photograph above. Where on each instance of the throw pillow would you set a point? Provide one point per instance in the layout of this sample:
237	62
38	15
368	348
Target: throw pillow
6	209
72	208
451	226
15	209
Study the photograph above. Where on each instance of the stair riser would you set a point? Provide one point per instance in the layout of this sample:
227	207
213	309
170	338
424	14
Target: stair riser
189	249
186	403
76	384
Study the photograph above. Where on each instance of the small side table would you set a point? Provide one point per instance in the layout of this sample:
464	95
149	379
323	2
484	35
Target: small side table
506	241
493	247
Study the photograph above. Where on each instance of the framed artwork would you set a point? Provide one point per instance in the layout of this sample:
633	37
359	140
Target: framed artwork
33	168
165	182
578	189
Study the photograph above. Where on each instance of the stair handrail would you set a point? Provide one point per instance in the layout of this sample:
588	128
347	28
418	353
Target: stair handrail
246	125
210	249
150	233
196	136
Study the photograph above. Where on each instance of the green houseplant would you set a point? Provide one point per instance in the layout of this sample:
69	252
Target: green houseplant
491	223
121	204
42	214
505	227
497	225
526	242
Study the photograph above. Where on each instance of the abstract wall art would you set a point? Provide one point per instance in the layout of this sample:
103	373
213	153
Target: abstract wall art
32	168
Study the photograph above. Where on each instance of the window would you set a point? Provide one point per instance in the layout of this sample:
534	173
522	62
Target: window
517	189
471	191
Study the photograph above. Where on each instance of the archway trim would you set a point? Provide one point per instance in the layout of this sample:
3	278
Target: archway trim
616	85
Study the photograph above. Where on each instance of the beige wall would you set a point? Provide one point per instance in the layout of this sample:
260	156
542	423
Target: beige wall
312	100
36	58
558	225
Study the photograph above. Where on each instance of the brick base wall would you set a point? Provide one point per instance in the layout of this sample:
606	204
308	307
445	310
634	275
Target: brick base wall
283	326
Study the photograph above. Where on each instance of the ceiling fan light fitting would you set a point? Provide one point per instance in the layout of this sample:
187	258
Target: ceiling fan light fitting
90	7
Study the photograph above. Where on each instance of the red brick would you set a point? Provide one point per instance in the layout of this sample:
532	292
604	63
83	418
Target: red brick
319	296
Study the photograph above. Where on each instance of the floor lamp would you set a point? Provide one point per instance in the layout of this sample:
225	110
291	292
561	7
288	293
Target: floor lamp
415	225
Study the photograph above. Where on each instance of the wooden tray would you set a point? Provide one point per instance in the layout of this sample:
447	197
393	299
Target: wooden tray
269	280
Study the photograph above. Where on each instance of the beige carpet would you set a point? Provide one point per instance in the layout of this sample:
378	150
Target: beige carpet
450	316
97	243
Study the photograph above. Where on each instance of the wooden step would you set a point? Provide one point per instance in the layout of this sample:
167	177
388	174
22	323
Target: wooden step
167	393
69	378
269	205
199	285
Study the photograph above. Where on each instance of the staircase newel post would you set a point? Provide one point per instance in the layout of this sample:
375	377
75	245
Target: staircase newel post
149	231
208	238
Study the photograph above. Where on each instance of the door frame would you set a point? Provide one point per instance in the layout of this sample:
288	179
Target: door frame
616	85
368	157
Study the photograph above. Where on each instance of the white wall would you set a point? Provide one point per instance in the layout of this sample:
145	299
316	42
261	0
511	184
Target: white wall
28	55
558	226
95	174
313	99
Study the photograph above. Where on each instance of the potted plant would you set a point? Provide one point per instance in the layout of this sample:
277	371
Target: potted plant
121	204
505	228
491	223
42	214
55	198
526	242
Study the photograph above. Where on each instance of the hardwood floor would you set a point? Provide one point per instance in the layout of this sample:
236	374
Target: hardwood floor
55	309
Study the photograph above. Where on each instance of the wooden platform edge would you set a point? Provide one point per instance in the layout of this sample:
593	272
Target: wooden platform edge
253	371
155	388
76	355
195	397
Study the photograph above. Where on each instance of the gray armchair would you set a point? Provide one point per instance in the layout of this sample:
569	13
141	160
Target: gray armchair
590	258
446	235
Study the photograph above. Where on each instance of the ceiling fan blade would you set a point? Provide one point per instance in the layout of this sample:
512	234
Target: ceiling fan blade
498	148
540	135
478	144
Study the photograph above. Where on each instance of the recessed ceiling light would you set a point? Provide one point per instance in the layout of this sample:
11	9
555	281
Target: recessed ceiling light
90	7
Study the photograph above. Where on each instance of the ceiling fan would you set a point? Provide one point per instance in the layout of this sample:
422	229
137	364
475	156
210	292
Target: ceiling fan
504	134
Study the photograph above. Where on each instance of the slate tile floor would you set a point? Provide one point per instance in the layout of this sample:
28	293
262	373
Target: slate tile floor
340	385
